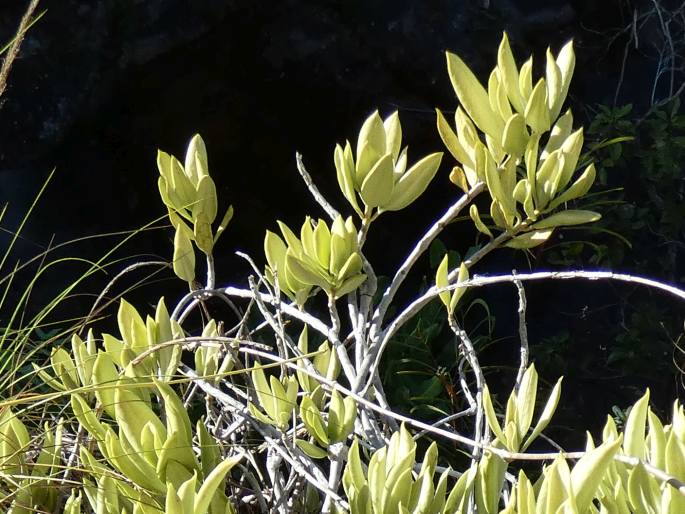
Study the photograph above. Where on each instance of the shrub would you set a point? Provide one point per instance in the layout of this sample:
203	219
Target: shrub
292	405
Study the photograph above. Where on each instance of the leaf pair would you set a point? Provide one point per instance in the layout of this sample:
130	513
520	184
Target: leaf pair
88	366
277	399
320	257
519	413
379	174
24	484
190	196
325	362
662	446
342	414
189	499
210	360
156	456
450	299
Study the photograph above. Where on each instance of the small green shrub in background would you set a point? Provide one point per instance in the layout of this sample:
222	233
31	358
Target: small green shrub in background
294	414
639	189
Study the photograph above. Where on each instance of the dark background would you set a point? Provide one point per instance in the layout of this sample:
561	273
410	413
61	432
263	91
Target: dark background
101	84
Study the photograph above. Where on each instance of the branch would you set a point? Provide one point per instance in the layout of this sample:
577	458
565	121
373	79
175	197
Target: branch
332	213
478	281
343	357
269	434
467	350
289	309
418	250
523	332
507	455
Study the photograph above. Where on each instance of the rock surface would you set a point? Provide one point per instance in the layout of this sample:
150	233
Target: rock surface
100	85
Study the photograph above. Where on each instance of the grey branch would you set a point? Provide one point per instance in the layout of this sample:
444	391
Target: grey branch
477	281
332	213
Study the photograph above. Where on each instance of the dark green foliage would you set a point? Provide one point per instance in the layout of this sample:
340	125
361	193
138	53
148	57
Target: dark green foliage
414	373
640	188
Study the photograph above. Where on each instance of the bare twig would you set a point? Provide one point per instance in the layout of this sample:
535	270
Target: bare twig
523	332
289	309
417	251
333	335
332	213
469	353
335	452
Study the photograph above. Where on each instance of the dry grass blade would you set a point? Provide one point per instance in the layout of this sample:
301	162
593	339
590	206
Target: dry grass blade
15	45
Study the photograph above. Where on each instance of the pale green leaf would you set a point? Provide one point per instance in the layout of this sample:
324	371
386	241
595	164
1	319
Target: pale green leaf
336	416
204	496
367	158
196	166
473	97
458	178
571	148
322	243
441	281
349	285
490	415
567	218
413	183
537	113
561	130
525	400
588	472
509	74
554	85
503	105
311	449
206	199
529	239
202	232
578	189
393	135
475	217
105	377
313	421
546	415
352	267
274	250
372	134
675	456
451	141
566	60
345	175
463	276
353	476
526	79
515	137
378	185
263	391
640	491
304	273
184	256
657	441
